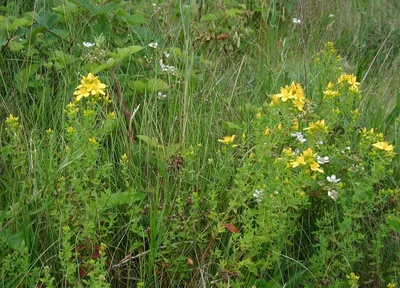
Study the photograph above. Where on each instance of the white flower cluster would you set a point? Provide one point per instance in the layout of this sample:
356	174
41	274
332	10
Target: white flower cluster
296	21
167	68
299	136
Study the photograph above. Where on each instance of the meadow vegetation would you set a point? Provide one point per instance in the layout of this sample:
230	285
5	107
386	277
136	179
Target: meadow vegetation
199	143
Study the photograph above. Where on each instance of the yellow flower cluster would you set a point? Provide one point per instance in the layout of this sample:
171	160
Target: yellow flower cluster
318	125
307	158
330	92
12	121
90	86
351	80
293	93
228	140
380	144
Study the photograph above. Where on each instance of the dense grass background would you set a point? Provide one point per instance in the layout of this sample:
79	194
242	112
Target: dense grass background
231	56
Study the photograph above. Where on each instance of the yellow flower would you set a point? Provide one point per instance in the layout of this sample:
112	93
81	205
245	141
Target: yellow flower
227	139
299	161
391	285
314	166
12	121
353	280
93	141
49	131
267	132
294	93
295	125
318	125
383	146
90	86
259	115
351	80
71	130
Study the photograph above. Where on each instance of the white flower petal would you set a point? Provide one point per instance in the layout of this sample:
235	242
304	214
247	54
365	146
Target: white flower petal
88	44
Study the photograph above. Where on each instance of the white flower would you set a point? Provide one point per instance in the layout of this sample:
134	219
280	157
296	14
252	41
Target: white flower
161	95
320	142
322	160
299	137
258	194
88	44
166	54
331	15
154	4
333	179
333	194
153	45
296	21
297	151
276	193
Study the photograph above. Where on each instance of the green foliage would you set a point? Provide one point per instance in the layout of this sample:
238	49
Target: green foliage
212	144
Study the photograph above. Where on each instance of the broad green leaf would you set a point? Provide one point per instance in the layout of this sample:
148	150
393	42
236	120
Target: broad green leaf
133	20
46	19
207	17
65	8
111	62
20	22
87	5
233	12
232	126
110	7
176	51
155	85
138	86
125	52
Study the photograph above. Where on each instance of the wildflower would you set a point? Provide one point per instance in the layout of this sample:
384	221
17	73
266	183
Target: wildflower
296	21
90	86
322	160
295	125
333	179
153	45
49	131
71	130
258	194
318	125
320	142
391	285
331	15
88	44
294	93
89	113
93	141
12	121
288	152
227	140
383	146
267	132
299	161
333	194
299	136
351	80
161	95
353	280
314	166
259	115
166	54
329	92
112	115
279	127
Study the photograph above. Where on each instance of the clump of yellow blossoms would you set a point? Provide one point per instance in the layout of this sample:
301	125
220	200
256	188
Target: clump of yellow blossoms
383	145
12	121
228	140
353	280
318	126
293	93
330	92
351	80
307	158
90	86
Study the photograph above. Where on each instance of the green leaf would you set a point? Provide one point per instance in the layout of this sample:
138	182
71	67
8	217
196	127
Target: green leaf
46	19
156	85
87	5
24	76
20	22
231	126
393	222
111	62
138	86
133	20
125	52
110	7
176	51
152	142
15	46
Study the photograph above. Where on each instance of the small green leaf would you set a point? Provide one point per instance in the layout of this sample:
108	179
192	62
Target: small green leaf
125	52
138	86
